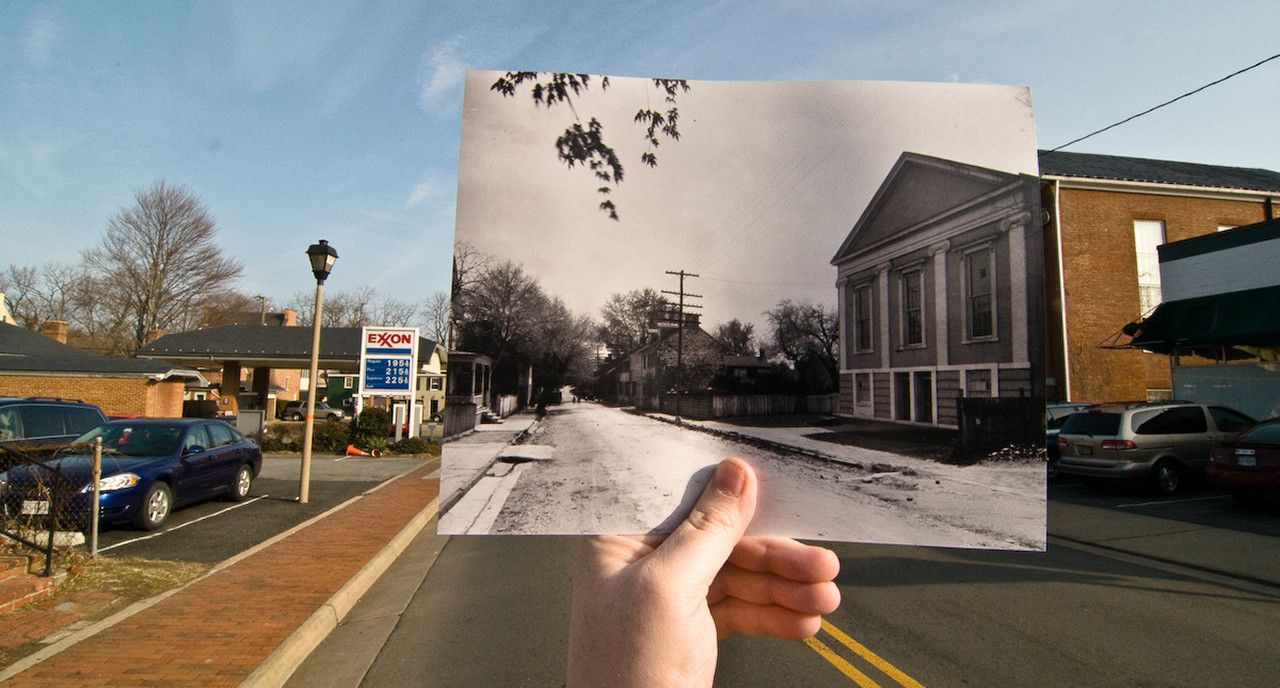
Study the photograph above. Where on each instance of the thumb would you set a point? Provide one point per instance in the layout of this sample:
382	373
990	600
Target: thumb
701	544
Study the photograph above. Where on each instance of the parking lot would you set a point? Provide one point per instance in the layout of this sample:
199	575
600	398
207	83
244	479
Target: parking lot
215	530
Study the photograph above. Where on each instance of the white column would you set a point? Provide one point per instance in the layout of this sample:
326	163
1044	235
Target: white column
882	278
1014	227
939	253
842	315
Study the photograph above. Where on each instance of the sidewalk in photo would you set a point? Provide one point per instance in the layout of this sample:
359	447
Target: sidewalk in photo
470	457
254	618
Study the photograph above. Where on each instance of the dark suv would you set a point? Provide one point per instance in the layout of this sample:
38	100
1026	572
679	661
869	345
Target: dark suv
1158	441
34	423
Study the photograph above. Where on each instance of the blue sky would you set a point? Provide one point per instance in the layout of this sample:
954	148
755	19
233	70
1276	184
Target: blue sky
340	120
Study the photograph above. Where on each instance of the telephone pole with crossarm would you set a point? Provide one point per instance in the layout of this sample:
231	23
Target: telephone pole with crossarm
681	305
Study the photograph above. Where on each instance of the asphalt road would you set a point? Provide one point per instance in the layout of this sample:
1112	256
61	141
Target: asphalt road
215	530
1135	609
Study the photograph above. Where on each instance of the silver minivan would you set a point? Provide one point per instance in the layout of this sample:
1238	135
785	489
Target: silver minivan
1163	442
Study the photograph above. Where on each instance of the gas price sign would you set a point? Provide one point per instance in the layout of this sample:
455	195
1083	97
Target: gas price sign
387	357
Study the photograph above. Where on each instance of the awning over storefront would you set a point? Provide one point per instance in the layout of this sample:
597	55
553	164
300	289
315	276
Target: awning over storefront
1249	318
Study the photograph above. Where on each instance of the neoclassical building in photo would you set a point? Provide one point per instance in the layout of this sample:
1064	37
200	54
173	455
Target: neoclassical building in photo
940	292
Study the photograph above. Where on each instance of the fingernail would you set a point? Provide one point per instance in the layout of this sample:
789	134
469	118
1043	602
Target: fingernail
730	479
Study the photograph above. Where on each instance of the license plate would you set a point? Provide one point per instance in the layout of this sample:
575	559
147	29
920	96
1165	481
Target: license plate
1246	461
35	507
1084	450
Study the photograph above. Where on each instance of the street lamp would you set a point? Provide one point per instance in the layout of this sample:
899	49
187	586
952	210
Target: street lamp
322	257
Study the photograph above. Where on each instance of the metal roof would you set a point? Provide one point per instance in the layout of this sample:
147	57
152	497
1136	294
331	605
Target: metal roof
265	345
1119	168
27	351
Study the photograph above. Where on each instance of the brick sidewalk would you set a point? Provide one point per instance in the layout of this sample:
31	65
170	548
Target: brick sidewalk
220	628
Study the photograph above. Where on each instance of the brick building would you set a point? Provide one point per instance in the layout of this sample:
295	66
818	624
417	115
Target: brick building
1105	216
35	364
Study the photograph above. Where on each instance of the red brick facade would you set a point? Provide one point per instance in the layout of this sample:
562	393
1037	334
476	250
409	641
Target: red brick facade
116	395
1095	229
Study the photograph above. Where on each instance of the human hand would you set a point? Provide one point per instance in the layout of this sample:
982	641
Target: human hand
647	611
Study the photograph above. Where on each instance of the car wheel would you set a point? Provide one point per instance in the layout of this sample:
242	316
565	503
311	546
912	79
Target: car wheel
295	416
1167	477
334	416
155	507
240	487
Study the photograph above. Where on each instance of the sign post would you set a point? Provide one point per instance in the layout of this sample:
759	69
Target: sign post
389	364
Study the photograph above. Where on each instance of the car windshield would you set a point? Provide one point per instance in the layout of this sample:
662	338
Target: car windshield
1091	423
1267	433
134	439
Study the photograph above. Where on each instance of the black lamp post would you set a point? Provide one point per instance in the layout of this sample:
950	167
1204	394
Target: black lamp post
322	257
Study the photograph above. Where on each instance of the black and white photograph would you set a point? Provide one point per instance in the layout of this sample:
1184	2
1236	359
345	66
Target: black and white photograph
839	282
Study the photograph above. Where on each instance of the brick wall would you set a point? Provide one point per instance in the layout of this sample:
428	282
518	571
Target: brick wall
115	395
1099	266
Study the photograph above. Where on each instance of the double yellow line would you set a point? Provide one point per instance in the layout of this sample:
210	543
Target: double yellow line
859	649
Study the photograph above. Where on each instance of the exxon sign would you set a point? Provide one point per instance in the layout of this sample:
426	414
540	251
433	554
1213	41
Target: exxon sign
383	342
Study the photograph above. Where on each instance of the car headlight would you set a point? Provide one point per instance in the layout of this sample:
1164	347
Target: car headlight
111	484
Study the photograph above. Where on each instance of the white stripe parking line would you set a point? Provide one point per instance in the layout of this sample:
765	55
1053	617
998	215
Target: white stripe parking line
1172	501
184	525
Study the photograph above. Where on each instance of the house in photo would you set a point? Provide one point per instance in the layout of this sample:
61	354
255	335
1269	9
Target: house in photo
1106	216
938	290
41	364
1219	322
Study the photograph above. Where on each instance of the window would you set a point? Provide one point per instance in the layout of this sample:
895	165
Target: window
979	287
1147	235
1184	420
220	434
196	437
912	309
42	421
348	382
435	383
977	383
862	318
1230	421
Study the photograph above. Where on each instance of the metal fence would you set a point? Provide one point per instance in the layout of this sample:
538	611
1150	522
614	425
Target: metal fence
37	501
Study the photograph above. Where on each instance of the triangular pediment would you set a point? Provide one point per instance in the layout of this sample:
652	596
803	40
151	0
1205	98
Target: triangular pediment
919	189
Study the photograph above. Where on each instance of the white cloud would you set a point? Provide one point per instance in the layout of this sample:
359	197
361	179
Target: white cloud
38	41
433	185
441	73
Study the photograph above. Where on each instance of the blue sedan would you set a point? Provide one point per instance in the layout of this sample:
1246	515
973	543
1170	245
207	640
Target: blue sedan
149	468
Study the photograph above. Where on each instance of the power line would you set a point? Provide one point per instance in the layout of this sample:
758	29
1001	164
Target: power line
1167	102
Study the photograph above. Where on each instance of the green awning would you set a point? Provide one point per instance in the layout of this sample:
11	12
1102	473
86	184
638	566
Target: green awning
1239	318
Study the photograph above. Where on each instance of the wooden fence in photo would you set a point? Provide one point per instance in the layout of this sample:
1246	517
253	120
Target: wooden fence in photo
459	418
706	405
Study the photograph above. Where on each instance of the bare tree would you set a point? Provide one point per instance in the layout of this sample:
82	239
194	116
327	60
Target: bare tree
159	257
435	313
805	333
737	338
628	319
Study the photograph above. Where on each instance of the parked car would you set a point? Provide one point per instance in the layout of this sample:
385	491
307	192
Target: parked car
297	410
45	423
1249	464
1054	416
1163	442
149	468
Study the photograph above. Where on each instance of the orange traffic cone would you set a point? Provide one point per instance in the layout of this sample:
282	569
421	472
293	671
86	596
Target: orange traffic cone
353	450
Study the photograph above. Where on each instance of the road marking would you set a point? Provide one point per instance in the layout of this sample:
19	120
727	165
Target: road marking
840	663
859	649
1172	501
184	525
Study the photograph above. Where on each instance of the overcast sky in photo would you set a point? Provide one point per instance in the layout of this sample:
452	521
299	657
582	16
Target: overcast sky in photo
296	121
763	186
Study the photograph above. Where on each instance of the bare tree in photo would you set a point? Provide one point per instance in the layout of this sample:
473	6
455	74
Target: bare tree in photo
586	145
807	335
737	338
468	265
628	319
500	304
159	255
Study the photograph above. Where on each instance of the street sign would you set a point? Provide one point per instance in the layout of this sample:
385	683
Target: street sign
388	361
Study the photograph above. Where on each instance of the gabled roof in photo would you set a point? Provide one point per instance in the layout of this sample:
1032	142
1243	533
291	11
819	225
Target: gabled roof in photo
339	346
1118	168
27	351
917	190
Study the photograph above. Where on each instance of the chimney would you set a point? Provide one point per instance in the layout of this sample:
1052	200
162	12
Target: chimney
290	317
55	330
152	335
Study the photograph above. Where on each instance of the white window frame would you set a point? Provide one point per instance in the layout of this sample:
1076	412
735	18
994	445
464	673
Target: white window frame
905	313
857	315
966	295
1147	267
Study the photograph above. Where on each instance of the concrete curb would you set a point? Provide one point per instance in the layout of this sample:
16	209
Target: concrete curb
276	669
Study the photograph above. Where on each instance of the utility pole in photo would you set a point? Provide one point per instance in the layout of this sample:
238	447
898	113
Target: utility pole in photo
681	305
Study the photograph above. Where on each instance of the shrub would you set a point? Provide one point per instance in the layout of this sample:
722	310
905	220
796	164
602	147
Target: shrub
373	422
415	446
327	436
